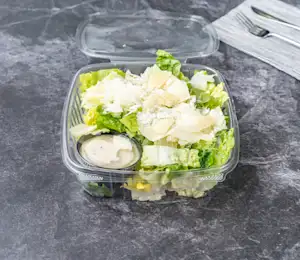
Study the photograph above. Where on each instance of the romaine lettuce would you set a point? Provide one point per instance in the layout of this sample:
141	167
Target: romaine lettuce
130	122
108	121
217	151
90	117
206	152
218	96
98	190
91	78
208	93
193	193
155	155
166	61
224	147
143	140
191	185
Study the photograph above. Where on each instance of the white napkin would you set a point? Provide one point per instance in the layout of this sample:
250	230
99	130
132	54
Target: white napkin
279	54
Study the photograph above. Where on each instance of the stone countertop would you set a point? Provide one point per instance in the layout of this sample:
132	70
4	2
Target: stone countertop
254	214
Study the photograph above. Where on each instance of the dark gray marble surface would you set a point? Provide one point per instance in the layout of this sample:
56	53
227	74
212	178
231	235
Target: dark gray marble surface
254	214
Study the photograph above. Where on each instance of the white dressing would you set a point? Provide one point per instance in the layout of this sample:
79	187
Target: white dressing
110	151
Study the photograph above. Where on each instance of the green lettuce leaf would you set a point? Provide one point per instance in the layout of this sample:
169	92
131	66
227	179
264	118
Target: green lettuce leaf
213	96
207	158
193	193
156	155
161	175
206	152
227	119
204	145
217	151
224	147
218	96
166	61
90	79
131	124
108	121
166	168
208	93
198	191
192	184
184	78
98	190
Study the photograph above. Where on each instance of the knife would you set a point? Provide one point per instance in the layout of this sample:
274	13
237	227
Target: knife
275	19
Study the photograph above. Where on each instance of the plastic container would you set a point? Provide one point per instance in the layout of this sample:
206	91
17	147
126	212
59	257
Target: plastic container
138	54
136	37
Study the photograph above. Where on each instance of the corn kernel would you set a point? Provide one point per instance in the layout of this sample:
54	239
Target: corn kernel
140	186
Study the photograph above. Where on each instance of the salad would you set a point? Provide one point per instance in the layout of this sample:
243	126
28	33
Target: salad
180	124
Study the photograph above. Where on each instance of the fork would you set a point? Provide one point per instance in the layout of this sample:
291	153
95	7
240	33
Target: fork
261	32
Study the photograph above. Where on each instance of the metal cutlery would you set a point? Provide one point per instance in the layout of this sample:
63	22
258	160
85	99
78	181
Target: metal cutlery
262	32
274	18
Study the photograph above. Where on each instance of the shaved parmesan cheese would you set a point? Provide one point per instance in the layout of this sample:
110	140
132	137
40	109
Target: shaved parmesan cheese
93	96
201	79
178	89
157	77
155	126
192	125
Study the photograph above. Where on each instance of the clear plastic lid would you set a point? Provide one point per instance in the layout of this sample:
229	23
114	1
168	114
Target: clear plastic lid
137	36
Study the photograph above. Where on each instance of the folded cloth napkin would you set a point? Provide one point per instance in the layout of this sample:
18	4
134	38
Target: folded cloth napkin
274	51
